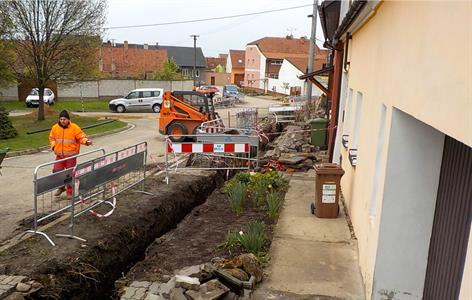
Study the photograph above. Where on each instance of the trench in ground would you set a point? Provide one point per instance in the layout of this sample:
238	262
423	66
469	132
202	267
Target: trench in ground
78	270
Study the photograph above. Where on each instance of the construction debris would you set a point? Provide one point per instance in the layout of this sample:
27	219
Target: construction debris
222	278
291	150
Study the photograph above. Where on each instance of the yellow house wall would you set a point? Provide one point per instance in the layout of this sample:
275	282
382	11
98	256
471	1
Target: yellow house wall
417	57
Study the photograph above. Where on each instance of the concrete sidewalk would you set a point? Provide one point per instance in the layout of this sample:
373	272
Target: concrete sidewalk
312	258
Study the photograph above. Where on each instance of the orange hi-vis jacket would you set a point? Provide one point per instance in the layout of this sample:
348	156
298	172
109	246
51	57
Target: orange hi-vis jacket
66	141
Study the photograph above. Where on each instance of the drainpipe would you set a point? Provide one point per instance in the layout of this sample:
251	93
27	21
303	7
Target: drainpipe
335	92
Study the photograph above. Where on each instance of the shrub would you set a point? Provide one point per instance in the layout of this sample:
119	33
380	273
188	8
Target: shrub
274	203
7	130
262	183
254	238
242	177
237	194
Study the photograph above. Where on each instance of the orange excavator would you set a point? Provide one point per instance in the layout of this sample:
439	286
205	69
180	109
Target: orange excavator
182	112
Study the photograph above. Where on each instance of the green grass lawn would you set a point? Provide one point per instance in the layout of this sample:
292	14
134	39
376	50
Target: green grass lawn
29	123
72	105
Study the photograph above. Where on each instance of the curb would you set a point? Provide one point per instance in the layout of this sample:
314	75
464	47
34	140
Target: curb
39	149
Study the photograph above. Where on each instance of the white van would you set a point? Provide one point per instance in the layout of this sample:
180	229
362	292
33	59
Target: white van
139	99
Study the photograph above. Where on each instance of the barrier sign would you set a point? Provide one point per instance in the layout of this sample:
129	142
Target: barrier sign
110	172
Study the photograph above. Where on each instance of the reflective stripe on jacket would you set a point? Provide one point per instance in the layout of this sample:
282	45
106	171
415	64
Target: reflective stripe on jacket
66	141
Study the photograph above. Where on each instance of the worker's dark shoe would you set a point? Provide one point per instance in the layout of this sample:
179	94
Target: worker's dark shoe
59	191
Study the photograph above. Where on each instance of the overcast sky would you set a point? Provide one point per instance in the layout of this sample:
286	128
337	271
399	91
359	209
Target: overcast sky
215	36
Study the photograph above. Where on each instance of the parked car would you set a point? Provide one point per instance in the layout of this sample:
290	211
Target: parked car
230	90
32	100
208	89
139	99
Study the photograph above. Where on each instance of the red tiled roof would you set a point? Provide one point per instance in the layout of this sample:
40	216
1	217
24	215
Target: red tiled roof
237	58
213	62
301	63
282	47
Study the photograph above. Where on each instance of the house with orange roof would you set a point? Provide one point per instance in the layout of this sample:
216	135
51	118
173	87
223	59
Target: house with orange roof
235	66
274	64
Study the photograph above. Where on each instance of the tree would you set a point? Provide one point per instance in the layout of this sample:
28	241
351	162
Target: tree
285	86
55	39
7	75
7	130
170	71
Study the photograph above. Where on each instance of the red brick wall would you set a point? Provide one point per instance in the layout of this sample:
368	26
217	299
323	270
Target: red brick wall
122	62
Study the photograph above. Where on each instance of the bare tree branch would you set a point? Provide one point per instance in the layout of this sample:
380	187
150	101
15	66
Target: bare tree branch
55	39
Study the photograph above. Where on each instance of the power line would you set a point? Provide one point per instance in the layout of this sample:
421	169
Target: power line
208	19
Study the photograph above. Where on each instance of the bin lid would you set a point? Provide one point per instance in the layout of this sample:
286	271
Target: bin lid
328	168
319	120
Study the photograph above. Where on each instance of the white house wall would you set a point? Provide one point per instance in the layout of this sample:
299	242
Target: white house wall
229	67
289	73
389	66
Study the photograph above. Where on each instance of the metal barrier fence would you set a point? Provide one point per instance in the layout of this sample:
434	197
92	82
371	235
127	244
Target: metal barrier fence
100	180
284	113
246	117
43	188
212	152
227	101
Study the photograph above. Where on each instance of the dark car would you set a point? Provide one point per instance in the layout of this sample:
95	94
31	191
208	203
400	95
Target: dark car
230	90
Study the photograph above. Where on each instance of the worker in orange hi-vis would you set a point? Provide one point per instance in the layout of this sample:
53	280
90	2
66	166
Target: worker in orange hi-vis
65	138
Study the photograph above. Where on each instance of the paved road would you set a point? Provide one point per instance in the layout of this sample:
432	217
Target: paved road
16	197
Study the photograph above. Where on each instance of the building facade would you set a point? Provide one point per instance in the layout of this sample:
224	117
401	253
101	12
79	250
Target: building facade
235	65
274	64
186	57
404	139
124	60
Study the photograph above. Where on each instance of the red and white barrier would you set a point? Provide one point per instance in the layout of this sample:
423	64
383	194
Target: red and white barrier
206	148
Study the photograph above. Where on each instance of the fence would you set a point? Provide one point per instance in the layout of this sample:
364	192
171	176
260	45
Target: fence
43	188
100	180
212	152
107	89
227	101
93	182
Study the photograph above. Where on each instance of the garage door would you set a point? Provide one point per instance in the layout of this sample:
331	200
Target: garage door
452	219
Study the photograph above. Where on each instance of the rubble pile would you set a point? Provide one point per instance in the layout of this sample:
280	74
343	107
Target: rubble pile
221	279
293	151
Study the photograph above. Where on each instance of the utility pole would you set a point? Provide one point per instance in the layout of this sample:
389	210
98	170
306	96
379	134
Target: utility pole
311	54
194	58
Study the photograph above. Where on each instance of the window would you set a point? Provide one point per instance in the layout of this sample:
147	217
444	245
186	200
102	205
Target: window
355	135
378	160
197	73
357	121
273	75
346	119
240	61
277	62
156	93
185	72
132	95
146	94
253	60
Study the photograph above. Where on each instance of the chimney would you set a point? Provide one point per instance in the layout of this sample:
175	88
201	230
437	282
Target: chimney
157	45
125	44
289	36
145	46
